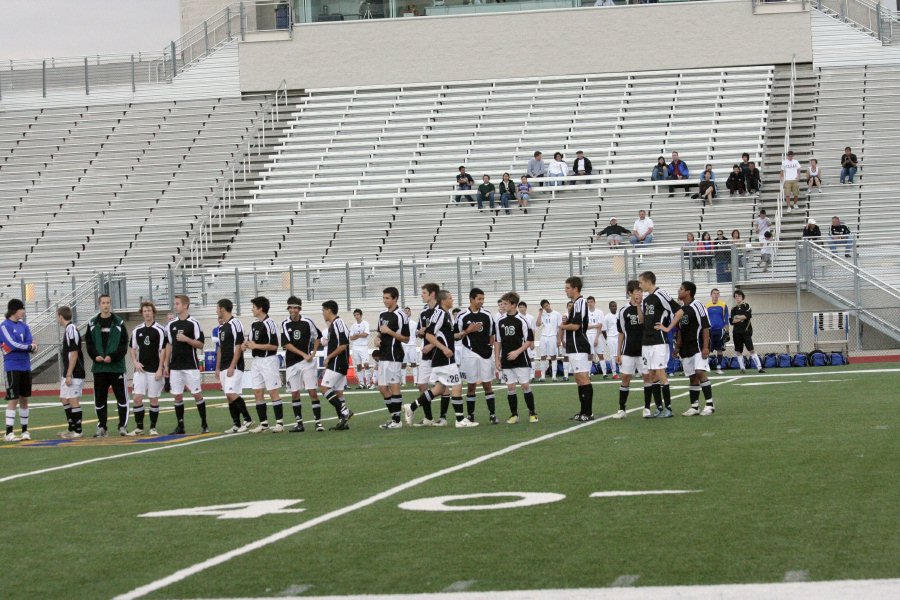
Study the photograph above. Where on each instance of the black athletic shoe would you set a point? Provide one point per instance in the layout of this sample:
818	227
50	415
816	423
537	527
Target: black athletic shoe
762	370
319	426
343	423
576	417
178	430
298	428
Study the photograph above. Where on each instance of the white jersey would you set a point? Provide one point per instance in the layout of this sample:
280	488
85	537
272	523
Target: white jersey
531	321
498	316
595	318
356	329
610	324
550	324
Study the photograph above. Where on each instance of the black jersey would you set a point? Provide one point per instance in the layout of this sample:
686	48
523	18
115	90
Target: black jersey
630	326
184	356
478	341
302	335
389	347
148	341
512	332
266	333
691	327
424	320
339	335
659	307
576	341
72	343
231	336
441	327
742	327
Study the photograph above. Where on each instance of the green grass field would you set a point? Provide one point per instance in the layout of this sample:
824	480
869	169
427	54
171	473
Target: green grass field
796	472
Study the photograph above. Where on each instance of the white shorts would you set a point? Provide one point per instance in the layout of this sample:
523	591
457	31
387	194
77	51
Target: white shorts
410	354
548	347
579	362
694	363
596	343
521	375
475	369
448	375
655	356
359	356
233	384
423	373
389	372
74	390
181	380
633	365
334	381
612	346
264	373
301	376
146	384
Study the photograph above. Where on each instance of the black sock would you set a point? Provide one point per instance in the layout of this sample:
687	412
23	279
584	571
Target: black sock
648	395
101	416
623	396
667	395
583	391
470	407
694	395
76	419
122	410
336	402
513	403
529	401
706	388
297	407
491	403
154	416
657	394
278	409
588	400
9	429
396	407
242	408
139	417
445	404
317	410
424	400
179	413
262	411
580	399
68	415
457	407
235	413
201	410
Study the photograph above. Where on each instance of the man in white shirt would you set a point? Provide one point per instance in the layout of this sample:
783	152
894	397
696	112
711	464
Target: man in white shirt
761	225
410	348
642	232
790	178
611	332
359	350
548	349
595	336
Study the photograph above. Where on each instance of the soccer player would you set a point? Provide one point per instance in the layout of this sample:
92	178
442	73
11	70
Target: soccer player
476	331
595	335
444	370
107	345
692	344
629	325
263	344
658	308
393	331
301	340
410	349
337	363
717	313
230	365
185	338
429	293
359	350
523	310
514	337
148	353
18	345
72	382
743	331
578	349
548	348
611	333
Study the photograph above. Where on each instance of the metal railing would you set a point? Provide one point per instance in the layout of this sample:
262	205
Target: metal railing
779	211
869	16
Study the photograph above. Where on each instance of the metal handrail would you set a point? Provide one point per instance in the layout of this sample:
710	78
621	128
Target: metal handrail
779	211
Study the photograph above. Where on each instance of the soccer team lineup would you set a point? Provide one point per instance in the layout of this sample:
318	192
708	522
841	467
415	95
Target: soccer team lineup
460	346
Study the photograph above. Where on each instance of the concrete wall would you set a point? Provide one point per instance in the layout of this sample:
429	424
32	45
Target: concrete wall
194	12
557	42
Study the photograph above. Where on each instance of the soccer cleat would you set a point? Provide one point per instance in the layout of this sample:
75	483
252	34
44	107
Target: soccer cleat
762	371
586	418
11	437
319	426
441	422
26	436
69	435
512	420
391	425
246	426
565	378
123	432
101	432
63	434
278	428
260	428
605	376
691	412
707	411
233	429
408	414
620	414
743	371
465	423
616	376
298	428
137	431
665	413
178	430
153	431
424	423
494	420
533	419
720	372
204	429
647	414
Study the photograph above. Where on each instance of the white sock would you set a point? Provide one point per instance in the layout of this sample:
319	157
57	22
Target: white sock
603	366
10	417
755	357
741	361
23	416
566	368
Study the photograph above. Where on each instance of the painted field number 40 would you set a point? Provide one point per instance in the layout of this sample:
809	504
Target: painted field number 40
238	510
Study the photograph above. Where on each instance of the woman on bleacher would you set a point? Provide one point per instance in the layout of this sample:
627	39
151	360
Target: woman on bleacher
814	178
736	182
705	251
558	168
660	171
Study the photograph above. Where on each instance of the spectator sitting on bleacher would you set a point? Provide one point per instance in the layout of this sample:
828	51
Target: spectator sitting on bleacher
752	179
558	168
678	170
689	247
840	236
761	225
642	233
536	167
745	164
486	192
811	230
660	171
848	165
523	193
707	188
736	182
613	232
705	251
814	176
464	181
582	166
507	191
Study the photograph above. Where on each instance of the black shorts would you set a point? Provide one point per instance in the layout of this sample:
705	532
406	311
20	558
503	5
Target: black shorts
716	343
741	341
18	384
